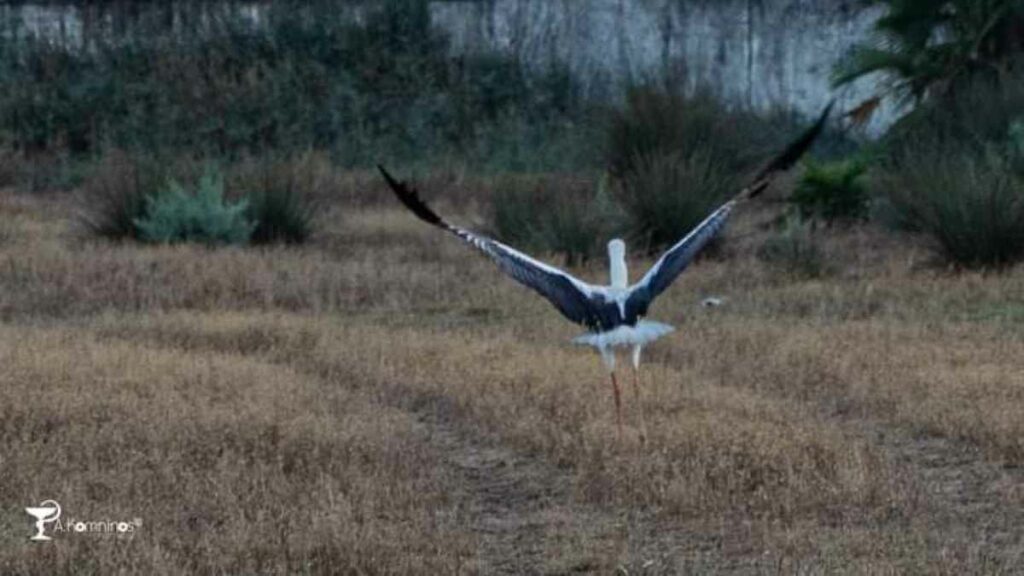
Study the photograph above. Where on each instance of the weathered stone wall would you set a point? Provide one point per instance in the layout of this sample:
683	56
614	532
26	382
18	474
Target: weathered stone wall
760	53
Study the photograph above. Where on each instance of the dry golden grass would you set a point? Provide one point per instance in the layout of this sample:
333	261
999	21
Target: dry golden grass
384	401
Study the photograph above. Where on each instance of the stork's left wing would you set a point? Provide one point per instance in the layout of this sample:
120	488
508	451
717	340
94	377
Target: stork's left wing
574	298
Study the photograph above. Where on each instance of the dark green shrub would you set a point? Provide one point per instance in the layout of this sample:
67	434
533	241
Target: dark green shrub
10	165
832	191
281	214
666	194
794	250
555	215
175	215
971	206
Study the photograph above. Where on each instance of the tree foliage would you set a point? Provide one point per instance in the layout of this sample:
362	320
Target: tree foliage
930	47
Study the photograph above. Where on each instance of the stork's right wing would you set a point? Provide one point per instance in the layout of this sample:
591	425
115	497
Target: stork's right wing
787	158
678	257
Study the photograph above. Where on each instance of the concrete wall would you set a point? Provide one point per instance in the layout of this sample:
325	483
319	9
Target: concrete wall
760	53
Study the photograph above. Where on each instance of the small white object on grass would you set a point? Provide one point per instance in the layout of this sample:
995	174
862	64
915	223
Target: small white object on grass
712	302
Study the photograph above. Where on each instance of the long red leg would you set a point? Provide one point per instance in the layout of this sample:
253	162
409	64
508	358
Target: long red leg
618	403
639	404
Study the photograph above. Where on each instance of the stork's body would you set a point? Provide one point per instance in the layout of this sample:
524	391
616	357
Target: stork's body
622	319
613	314
626	329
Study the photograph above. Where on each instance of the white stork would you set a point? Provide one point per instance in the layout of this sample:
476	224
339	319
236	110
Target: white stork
613	314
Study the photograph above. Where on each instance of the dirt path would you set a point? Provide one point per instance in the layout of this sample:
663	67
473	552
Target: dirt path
529	522
521	507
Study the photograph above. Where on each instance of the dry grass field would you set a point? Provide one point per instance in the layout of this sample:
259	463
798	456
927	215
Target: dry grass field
383	400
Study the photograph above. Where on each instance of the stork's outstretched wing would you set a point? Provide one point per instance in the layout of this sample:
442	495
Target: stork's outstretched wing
575	299
678	257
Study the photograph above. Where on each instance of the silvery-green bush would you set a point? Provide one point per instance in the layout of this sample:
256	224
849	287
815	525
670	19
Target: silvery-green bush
176	215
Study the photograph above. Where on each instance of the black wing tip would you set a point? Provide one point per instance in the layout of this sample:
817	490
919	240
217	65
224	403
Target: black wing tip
410	197
790	155
802	144
387	175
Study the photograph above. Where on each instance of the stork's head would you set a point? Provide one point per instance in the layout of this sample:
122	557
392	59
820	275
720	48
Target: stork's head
617	263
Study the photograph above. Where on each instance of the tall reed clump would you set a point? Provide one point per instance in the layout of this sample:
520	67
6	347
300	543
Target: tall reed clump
667	194
114	196
676	157
555	215
283	195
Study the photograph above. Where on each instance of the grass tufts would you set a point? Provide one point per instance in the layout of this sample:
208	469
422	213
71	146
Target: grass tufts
794	250
576	220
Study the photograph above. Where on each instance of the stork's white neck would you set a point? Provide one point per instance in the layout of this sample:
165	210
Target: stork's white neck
617	263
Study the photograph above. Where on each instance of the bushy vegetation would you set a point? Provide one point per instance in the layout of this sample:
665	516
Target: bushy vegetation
114	196
359	83
283	195
207	78
955	172
203	216
832	191
971	206
952	168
